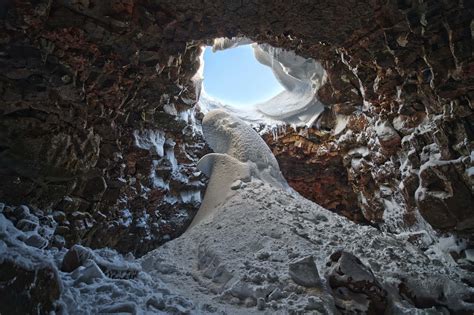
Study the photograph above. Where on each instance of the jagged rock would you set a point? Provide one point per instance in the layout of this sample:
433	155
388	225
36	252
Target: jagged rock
28	291
74	258
388	137
314	169
21	212
58	241
304	272
95	188
443	199
59	216
26	225
36	241
437	290
354	285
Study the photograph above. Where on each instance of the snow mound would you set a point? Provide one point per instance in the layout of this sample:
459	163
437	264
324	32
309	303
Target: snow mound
240	154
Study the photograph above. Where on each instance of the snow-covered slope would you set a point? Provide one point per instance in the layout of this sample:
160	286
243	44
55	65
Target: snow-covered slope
242	258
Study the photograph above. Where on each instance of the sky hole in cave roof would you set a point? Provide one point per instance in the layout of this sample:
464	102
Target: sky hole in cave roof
234	77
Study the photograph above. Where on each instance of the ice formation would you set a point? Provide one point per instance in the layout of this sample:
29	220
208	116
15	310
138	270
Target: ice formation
296	105
150	139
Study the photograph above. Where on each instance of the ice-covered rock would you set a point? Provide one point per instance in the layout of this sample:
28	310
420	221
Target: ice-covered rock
355	286
106	260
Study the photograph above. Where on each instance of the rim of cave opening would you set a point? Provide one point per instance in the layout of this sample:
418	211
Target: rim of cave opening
291	99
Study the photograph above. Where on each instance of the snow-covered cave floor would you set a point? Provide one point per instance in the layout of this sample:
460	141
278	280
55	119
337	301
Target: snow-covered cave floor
243	254
240	257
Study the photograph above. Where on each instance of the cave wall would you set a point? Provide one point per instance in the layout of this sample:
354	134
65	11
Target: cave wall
403	94
82	79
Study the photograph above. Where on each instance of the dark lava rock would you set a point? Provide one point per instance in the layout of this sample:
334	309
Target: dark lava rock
356	290
74	258
304	272
24	291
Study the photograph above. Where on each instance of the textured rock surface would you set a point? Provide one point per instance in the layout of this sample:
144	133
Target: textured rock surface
314	166
97	123
27	291
353	284
80	89
82	80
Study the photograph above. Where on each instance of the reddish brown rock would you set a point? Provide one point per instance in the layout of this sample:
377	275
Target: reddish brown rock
313	167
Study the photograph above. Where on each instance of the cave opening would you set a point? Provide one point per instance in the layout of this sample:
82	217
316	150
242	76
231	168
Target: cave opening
277	86
235	77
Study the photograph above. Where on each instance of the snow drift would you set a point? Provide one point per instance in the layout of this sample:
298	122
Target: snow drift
240	154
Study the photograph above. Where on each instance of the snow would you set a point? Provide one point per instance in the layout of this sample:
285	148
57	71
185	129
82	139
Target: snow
170	199
142	220
301	79
341	123
126	218
149	139
384	131
470	255
354	70
170	109
240	153
451	243
222	43
470	171
172	159
158	182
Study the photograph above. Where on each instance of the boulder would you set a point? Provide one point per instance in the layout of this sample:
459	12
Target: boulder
304	272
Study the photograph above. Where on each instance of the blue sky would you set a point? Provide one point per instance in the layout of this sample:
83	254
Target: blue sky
236	78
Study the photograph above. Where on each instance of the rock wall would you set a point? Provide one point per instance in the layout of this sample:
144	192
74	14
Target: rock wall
85	99
97	119
401	117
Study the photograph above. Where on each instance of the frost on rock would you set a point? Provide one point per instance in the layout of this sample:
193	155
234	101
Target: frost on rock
150	139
